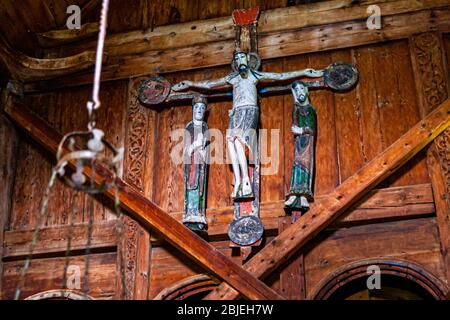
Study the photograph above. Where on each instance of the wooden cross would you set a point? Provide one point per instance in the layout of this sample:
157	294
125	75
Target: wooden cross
243	80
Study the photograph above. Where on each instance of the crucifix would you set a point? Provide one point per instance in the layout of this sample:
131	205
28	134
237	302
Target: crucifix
241	84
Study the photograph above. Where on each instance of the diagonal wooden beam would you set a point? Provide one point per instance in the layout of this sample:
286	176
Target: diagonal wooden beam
151	216
25	68
327	210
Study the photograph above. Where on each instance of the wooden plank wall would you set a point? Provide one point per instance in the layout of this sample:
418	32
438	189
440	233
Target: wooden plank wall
353	128
66	111
8	145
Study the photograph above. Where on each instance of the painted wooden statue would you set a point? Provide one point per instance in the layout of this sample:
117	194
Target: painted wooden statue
304	124
245	112
196	167
241	84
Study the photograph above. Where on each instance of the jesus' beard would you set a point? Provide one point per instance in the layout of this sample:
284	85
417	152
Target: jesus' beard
243	68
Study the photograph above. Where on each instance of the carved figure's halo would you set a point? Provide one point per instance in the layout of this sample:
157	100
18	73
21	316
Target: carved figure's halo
254	62
154	91
340	76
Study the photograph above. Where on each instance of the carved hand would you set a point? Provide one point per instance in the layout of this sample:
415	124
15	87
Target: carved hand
182	85
301	131
308	130
297	130
197	144
313	73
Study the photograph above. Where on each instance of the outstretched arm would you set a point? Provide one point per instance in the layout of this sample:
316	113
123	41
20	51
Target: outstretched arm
311	73
207	84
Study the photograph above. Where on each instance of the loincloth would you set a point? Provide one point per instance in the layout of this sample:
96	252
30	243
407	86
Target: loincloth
243	125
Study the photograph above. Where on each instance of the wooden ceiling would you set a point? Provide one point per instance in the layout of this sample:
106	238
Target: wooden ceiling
20	21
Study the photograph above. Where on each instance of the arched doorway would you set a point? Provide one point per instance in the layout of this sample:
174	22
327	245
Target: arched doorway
59	295
400	280
191	288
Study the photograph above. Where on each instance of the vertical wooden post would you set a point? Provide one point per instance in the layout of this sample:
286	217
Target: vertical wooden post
427	55
8	150
138	167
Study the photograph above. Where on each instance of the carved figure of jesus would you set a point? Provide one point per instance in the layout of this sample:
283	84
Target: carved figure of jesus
244	114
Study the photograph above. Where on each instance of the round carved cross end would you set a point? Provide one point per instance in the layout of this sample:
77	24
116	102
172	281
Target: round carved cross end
246	230
341	76
154	91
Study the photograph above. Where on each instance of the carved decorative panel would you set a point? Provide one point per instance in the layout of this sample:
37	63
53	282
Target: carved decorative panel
133	174
429	63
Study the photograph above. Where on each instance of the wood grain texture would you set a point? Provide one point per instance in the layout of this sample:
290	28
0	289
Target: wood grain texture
53	240
65	110
138	171
25	68
280	21
292	275
295	41
438	159
8	144
432	83
169	266
102	275
334	249
283	246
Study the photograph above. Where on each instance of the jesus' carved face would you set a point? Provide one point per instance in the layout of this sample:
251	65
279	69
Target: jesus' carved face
241	61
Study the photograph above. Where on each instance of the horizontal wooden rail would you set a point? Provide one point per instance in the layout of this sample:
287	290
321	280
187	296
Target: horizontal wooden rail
153	217
331	207
388	204
282	32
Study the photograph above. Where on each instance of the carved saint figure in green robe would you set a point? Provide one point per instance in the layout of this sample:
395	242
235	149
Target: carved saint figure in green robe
196	168
304	126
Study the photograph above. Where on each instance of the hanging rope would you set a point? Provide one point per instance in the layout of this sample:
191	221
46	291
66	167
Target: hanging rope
95	103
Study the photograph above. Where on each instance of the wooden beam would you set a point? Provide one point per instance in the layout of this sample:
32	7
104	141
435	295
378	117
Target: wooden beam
24	68
355	187
53	241
9	141
279	21
438	160
293	277
47	274
388	204
153	217
380	205
60	37
210	43
136	245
